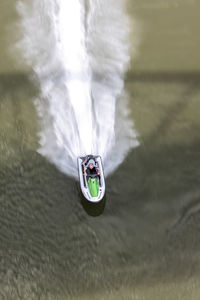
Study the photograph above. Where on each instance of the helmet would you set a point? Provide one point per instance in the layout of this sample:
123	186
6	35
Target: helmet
91	161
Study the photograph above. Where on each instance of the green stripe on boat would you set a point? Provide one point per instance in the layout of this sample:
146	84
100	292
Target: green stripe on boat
93	187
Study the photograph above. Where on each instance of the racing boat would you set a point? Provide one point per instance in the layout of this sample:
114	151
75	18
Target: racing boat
92	185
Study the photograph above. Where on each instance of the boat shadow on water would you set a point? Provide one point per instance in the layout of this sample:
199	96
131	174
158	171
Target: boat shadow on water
93	209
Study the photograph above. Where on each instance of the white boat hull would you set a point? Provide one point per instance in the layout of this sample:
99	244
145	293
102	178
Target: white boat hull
84	184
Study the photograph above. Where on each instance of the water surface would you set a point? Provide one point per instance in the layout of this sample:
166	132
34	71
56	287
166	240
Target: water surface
143	242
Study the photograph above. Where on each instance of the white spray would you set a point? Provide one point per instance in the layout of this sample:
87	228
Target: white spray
80	55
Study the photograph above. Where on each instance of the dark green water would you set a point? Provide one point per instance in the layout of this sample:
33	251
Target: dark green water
143	242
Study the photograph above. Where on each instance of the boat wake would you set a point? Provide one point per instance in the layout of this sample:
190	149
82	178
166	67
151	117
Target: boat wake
79	54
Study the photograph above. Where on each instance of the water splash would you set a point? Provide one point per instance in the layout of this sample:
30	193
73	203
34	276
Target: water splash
80	54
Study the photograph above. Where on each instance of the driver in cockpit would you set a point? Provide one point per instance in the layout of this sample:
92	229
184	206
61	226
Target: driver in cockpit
90	168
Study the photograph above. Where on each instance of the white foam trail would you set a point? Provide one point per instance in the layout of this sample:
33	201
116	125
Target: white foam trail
80	56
